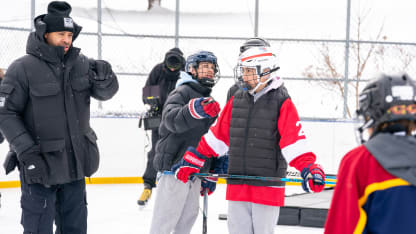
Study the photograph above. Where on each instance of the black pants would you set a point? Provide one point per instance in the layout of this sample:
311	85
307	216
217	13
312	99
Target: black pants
65	203
149	176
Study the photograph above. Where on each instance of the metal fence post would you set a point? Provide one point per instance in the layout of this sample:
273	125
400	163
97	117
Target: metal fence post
256	19
99	33
177	24
99	39
347	55
32	14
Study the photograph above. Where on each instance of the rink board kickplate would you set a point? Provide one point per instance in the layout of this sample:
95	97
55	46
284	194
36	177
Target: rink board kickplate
308	209
313	209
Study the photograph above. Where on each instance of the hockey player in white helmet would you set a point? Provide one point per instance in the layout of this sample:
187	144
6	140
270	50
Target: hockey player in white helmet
255	69
249	43
259	127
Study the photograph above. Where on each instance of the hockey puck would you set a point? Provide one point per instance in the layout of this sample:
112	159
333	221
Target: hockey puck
222	216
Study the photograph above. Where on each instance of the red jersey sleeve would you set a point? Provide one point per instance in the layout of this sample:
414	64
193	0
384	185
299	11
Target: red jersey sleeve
216	141
347	191
293	142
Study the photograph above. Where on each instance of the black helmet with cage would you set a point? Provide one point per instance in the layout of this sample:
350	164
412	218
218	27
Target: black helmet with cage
387	99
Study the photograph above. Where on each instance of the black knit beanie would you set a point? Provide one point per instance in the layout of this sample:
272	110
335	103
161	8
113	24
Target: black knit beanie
58	18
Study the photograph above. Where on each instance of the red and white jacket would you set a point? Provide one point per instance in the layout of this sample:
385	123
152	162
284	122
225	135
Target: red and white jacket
293	145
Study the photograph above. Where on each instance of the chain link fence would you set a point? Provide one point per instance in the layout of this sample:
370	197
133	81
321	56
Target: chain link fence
135	41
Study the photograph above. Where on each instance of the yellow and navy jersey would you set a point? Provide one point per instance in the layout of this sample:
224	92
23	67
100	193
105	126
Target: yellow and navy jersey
368	199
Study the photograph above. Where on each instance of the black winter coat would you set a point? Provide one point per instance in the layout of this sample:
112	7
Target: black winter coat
179	129
45	101
165	78
1	135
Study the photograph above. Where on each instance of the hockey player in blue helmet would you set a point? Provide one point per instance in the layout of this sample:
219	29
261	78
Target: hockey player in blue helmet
188	113
203	67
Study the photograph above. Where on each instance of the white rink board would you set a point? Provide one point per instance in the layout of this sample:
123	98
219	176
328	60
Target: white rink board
123	153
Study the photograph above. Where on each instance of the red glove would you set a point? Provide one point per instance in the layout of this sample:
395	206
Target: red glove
313	178
204	107
191	163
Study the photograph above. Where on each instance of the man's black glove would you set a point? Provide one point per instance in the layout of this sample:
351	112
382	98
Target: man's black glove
100	70
33	166
10	163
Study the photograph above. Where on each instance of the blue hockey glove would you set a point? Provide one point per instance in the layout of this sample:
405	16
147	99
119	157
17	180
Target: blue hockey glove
313	178
221	164
209	184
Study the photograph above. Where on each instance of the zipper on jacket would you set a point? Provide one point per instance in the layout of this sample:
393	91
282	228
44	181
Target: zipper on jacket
250	110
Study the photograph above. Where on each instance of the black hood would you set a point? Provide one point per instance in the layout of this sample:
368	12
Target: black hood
174	58
37	46
396	154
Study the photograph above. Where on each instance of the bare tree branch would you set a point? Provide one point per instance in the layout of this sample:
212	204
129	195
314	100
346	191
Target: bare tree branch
363	55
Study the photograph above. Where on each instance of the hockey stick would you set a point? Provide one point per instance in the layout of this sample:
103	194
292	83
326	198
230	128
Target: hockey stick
297	174
205	213
247	177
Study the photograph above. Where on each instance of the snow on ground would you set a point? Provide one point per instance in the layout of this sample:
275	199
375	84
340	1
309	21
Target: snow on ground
113	209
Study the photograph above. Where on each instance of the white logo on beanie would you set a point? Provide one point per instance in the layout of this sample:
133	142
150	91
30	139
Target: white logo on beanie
68	23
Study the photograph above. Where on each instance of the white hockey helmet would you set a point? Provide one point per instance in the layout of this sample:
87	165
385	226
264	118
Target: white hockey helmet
260	58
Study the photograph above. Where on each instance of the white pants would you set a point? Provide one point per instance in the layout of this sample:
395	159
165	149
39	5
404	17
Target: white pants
176	205
251	218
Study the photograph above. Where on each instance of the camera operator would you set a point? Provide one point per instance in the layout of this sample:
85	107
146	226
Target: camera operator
162	78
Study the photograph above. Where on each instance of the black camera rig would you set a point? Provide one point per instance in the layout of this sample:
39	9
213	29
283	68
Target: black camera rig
152	117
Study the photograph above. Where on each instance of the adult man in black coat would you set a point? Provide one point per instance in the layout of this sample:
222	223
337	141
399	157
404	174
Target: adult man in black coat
45	114
164	75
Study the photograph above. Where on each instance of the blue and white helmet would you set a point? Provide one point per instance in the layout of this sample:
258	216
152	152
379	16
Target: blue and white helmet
193	61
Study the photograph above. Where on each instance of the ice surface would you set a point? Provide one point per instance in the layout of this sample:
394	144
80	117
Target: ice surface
113	209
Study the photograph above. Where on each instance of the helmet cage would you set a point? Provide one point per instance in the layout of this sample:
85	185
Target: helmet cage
262	60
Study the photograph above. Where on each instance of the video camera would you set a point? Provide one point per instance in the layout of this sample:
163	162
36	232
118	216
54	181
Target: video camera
153	116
